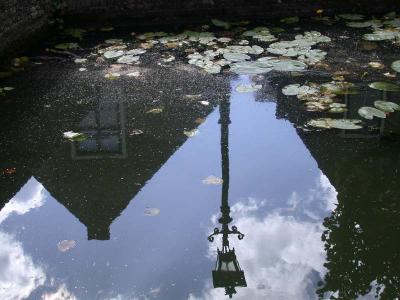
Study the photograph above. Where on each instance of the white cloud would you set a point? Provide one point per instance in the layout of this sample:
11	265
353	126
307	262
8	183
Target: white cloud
281	256
61	294
18	276
31	196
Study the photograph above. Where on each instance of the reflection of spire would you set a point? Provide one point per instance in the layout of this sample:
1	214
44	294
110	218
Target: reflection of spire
227	273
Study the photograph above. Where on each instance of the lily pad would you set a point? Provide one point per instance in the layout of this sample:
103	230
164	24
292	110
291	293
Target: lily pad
250	68
352	17
369	113
386	106
113	54
396	66
66	46
235	57
248	88
290	20
289	65
74	136
345	124
191	133
112	76
151	211
128	59
385	86
155	111
66	245
213	180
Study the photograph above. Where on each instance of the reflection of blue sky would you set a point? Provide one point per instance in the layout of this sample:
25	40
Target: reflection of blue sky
278	197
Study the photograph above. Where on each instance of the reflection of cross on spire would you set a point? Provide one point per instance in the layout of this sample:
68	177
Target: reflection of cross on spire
227	273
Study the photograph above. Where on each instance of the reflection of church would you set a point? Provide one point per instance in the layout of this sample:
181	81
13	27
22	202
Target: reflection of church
95	179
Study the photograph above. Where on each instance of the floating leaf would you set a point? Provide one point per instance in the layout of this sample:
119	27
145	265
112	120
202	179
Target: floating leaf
205	103
66	46
191	133
345	124
133	74
385	86
151	211
112	76
289	65
352	17
220	23
155	111
128	59
248	88
135	132
396	66
376	65
74	136
386	106
113	54
66	245
236	56
80	60
213	180
369	113
290	20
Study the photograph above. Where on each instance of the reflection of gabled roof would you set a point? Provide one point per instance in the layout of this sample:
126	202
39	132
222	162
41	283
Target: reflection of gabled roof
98	188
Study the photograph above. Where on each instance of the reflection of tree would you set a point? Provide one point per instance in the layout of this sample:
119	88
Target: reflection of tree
362	237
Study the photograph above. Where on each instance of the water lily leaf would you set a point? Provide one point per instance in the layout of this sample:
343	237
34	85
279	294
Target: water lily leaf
205	103
319	123
191	133
113	41
66	46
380	35
235	57
369	113
376	65
80	60
155	111
220	23
345	124
352	17
128	59
82	69
151	211
248	88
291	89
250	68
8	88
112	76
213	180
66	245
75	32
74	136
289	65
135	132
212	69
133	74
386	106
290	20
385	86
337	110
396	66
113	54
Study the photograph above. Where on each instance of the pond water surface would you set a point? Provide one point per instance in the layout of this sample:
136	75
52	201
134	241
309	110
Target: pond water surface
126	213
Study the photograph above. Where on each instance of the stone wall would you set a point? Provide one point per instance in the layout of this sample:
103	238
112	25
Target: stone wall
165	9
20	20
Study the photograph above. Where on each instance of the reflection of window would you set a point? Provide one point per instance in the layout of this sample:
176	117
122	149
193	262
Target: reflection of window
104	128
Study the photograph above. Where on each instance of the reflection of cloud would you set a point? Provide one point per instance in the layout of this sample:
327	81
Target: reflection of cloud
18	275
282	257
61	294
31	196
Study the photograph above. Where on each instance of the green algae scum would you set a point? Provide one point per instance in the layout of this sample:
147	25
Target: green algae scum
228	159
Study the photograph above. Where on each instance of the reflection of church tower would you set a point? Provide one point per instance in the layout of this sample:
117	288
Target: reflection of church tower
227	273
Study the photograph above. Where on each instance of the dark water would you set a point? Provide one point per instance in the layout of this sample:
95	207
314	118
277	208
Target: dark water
319	210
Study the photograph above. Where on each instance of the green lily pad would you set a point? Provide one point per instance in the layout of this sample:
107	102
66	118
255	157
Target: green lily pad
289	65
386	106
236	56
113	54
66	46
369	113
250	68
385	86
75	136
351	17
219	23
396	66
290	20
337	110
128	59
155	111
345	124
248	88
